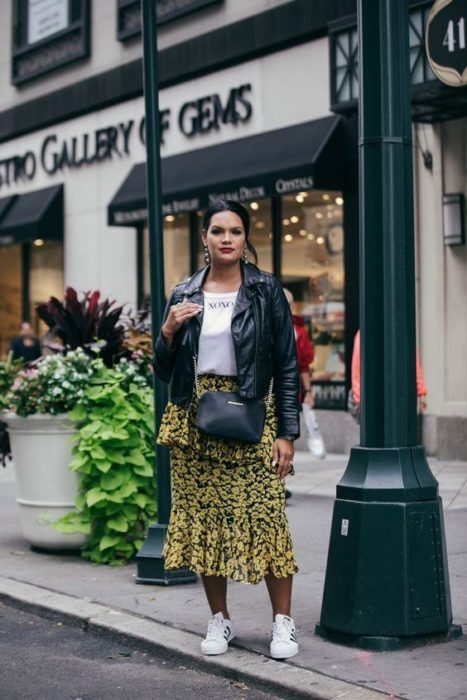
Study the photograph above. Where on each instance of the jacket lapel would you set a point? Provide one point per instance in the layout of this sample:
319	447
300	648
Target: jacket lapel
251	277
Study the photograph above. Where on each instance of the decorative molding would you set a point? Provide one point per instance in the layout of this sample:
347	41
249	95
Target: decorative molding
129	14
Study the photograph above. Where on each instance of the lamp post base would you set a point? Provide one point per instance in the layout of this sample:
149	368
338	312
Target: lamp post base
375	643
387	583
150	562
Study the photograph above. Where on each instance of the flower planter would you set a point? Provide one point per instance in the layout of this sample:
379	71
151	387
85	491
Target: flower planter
46	489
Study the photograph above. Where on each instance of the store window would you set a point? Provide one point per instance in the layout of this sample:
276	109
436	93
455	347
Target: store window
261	234
48	34
45	275
11	266
312	263
29	274
176	252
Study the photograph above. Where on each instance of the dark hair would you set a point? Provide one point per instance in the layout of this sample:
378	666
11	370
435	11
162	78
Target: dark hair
236	208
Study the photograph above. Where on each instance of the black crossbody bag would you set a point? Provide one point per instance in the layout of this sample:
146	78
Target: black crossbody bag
225	414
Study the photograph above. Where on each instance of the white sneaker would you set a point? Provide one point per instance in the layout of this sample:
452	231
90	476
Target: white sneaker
220	633
284	642
317	448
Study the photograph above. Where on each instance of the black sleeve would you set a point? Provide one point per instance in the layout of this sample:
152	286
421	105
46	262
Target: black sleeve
286	377
164	356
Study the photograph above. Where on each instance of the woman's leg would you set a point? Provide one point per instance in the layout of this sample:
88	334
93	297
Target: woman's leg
280	593
215	588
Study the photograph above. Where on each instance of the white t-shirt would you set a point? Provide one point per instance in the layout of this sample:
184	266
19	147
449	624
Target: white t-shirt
216	353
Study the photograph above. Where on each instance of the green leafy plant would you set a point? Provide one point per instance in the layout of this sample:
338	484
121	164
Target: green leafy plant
85	323
114	457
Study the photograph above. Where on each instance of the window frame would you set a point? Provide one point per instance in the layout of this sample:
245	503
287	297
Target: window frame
77	31
348	25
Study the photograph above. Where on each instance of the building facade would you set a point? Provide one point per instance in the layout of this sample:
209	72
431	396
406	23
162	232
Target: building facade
258	103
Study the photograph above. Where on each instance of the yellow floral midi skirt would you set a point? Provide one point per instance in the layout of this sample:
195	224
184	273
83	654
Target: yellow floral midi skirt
228	505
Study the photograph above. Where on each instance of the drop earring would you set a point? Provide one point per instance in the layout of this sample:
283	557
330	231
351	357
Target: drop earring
207	257
245	255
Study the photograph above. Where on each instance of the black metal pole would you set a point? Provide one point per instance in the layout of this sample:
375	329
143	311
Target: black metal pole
387	581
150	560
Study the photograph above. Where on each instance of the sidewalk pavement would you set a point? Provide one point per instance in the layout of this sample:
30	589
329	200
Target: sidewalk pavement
174	618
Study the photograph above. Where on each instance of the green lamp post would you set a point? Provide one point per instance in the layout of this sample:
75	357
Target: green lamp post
150	560
387	581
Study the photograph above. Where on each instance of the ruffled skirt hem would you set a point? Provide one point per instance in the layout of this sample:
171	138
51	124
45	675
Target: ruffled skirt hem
245	551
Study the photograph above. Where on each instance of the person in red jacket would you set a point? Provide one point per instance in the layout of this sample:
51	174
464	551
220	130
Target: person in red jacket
421	388
305	353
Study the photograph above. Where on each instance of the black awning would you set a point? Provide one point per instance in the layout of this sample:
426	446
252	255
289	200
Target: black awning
5	204
282	161
32	215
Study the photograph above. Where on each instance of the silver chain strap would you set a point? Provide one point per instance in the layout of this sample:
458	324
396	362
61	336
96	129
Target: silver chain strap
195	365
198	393
269	397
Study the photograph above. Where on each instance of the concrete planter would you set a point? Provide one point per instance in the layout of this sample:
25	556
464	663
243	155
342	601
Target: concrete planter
46	489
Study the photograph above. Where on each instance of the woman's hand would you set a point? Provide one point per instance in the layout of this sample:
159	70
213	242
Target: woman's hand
282	455
178	314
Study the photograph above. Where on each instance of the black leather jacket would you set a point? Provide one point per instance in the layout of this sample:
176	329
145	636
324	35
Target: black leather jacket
263	338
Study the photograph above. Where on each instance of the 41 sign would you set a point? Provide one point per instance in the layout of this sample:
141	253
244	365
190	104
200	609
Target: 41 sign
446	41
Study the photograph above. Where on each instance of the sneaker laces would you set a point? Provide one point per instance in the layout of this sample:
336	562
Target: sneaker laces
215	628
283	630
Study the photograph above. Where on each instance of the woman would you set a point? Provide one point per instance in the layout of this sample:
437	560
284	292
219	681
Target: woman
228	516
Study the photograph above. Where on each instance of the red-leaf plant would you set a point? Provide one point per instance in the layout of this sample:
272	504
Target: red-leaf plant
87	323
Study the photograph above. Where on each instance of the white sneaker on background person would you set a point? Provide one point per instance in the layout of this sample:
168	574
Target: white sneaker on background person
220	633
284	640
316	447
315	439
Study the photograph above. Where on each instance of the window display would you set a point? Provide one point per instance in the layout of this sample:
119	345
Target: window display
42	262
45	275
10	295
313	270
176	252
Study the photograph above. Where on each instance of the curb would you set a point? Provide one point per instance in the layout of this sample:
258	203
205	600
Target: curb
162	640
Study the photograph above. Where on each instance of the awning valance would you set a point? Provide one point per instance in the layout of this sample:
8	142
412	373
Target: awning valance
276	162
38	214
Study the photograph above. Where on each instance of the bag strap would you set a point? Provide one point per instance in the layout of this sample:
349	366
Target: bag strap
195	366
198	393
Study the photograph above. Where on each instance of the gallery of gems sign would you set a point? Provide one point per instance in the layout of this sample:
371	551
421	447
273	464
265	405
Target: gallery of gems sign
446	41
54	154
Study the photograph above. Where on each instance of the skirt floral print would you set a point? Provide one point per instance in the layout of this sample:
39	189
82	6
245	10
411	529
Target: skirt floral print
228	506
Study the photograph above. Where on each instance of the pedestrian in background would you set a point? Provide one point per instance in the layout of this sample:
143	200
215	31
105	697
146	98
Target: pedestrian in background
229	328
305	355
25	346
355	397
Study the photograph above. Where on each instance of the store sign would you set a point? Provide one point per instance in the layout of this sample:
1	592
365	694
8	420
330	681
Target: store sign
239	194
174	206
446	41
207	113
56	154
46	17
296	184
